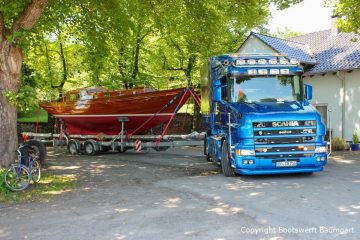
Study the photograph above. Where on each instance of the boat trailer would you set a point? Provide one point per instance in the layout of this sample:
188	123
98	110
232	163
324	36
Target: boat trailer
94	144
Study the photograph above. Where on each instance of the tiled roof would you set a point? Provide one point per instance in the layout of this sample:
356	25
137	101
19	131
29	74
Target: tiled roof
332	52
292	48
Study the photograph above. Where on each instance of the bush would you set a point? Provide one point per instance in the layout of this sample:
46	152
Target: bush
338	144
3	188
355	137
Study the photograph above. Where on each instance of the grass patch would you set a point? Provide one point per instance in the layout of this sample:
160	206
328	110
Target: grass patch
39	115
50	185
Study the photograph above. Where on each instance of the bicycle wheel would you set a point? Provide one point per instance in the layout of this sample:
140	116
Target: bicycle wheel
17	177
36	171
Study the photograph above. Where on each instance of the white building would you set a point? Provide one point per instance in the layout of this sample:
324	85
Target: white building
331	60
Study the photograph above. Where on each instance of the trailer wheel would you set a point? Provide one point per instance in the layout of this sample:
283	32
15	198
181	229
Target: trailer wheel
90	147
124	150
40	149
105	149
225	161
206	148
161	148
73	147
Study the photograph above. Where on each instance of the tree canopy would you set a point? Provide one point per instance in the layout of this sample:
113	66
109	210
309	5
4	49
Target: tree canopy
123	43
349	13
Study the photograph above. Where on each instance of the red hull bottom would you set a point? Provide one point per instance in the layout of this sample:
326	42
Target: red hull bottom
110	125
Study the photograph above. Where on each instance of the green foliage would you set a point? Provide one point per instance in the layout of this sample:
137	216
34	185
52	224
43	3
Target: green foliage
283	4
126	43
12	9
3	189
349	11
355	137
339	144
49	186
24	100
286	33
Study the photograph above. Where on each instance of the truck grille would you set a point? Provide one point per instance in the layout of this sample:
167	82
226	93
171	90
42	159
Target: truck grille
284	139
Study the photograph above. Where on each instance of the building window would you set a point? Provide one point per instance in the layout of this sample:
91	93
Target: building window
323	109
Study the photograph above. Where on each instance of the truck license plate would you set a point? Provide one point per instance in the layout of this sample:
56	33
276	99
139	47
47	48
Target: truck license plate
286	164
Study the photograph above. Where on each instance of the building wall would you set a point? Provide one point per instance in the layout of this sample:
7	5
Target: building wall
328	90
352	104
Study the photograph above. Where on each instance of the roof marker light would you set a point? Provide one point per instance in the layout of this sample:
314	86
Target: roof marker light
240	62
294	61
273	61
262	71
262	61
252	71
251	61
284	71
284	61
274	71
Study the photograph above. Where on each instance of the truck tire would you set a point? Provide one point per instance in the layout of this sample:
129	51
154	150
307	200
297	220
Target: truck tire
90	147
206	148
227	170
40	149
73	146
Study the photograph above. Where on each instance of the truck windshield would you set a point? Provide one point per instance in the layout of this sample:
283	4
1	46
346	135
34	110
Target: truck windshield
250	89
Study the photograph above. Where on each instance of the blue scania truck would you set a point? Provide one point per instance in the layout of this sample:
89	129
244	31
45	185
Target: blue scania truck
258	117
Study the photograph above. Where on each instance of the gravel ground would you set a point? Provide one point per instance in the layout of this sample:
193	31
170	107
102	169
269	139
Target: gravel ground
177	194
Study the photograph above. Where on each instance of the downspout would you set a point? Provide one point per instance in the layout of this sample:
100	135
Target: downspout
342	78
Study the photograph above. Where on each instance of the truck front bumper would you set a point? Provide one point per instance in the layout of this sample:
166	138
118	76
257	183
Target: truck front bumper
269	166
278	171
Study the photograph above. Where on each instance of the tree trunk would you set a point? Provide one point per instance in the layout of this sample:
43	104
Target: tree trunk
136	61
48	62
188	74
65	71
189	69
10	72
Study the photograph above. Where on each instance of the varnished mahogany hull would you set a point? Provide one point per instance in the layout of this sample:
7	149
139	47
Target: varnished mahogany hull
94	116
110	125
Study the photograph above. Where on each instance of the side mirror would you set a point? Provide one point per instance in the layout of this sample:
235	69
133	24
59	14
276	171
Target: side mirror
308	92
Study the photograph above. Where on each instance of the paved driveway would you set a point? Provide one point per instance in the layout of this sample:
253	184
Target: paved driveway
178	195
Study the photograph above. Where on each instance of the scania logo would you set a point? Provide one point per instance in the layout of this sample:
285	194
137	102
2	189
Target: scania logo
286	124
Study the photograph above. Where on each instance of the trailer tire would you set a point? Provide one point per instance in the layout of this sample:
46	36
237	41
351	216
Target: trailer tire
73	147
105	149
227	170
122	151
90	147
40	149
161	148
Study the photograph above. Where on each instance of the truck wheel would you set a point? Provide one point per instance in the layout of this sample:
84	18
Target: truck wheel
90	148
73	146
40	149
225	161
206	148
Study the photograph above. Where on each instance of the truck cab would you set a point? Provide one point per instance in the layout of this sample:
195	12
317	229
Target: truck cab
258	117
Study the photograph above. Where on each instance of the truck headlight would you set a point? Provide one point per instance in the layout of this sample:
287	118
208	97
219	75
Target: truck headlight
245	152
321	149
